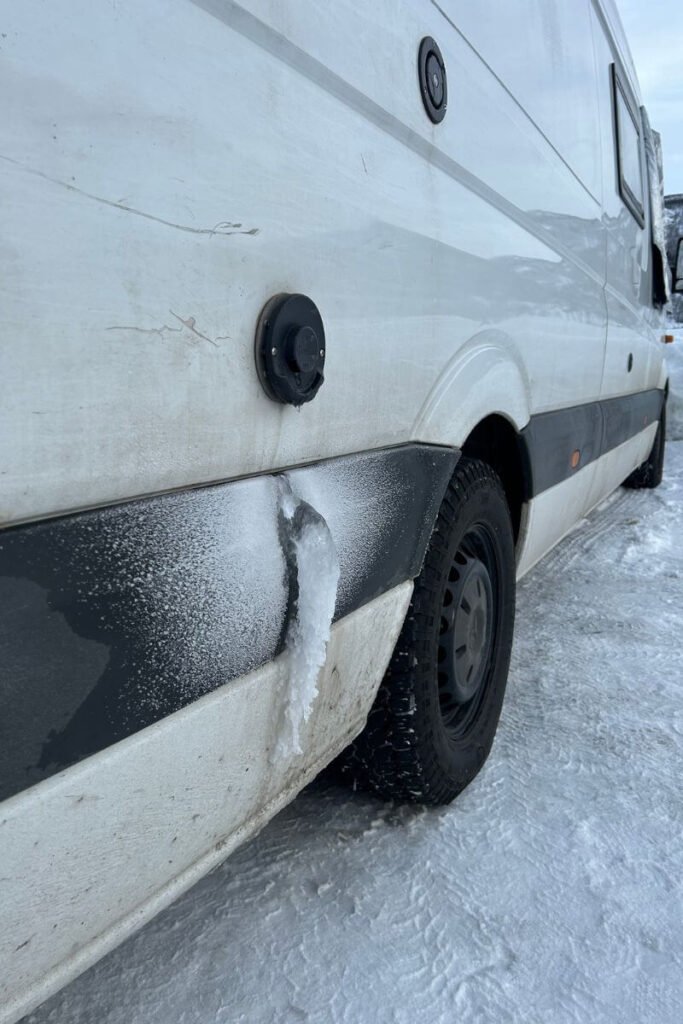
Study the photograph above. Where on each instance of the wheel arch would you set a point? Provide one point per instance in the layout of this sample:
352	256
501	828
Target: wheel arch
496	442
481	404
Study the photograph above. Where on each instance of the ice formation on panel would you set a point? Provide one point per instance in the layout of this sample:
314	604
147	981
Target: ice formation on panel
314	564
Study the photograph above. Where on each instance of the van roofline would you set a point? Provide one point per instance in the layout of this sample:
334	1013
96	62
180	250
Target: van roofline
608	14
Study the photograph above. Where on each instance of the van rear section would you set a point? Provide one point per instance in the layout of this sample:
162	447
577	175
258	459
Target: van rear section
321	324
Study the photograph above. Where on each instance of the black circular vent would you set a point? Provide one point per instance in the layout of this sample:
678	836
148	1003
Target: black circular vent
432	72
290	349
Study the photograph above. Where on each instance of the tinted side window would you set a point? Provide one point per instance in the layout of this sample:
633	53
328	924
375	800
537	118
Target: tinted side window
627	134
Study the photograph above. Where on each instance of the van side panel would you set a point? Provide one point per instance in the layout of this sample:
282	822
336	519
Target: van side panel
113	619
171	166
555	510
157	204
541	50
94	852
628	270
633	356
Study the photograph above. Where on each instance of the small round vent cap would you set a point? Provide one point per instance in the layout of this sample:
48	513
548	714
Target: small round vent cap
290	349
432	74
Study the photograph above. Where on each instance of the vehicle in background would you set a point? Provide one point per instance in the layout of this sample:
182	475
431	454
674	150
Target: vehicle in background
674	250
321	323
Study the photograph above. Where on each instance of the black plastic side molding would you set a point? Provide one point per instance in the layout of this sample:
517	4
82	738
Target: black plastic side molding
561	442
114	618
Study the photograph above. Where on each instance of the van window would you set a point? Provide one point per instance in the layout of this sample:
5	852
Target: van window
629	171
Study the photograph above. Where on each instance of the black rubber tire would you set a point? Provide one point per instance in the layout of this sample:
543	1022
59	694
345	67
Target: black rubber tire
409	750
651	472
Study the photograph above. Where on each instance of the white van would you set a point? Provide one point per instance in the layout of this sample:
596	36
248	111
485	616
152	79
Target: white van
321	323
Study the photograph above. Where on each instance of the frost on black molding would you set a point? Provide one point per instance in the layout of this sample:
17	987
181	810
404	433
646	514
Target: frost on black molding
313	564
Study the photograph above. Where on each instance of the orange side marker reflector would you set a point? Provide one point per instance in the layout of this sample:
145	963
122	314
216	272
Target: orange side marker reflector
668	339
576	458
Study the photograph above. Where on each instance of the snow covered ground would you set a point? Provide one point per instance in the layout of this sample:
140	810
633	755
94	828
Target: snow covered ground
550	892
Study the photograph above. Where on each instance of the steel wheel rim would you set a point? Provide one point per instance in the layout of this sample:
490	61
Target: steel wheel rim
467	630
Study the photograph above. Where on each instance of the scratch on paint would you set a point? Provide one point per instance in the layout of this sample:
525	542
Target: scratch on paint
189	324
145	330
222	228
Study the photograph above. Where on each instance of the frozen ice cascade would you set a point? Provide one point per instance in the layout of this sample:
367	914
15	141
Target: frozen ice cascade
312	554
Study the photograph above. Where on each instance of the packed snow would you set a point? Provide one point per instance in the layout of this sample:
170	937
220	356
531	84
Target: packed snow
549	892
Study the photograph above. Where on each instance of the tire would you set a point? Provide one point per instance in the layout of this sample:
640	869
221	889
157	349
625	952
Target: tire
651	472
435	716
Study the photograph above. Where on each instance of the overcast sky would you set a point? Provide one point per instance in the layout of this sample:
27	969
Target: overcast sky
655	34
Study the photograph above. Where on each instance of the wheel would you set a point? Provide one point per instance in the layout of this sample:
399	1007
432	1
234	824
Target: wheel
432	724
650	473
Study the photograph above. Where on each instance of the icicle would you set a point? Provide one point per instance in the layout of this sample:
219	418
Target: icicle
313	557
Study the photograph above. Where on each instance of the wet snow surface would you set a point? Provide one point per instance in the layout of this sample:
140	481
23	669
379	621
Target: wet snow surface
549	892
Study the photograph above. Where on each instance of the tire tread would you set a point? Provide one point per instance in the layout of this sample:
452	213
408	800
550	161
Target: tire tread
392	757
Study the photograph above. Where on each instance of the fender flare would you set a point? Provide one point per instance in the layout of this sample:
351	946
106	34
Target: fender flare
485	377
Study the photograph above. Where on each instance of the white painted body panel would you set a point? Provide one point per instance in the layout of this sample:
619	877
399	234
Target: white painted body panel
559	509
165	168
632	329
134	292
95	851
